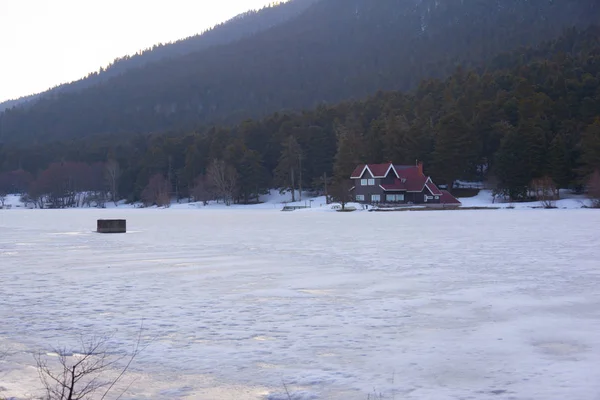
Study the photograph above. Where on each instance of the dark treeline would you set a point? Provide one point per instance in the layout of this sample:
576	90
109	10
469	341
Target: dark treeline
234	29
333	51
537	115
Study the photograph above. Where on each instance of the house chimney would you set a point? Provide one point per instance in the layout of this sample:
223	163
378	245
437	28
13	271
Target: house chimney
420	167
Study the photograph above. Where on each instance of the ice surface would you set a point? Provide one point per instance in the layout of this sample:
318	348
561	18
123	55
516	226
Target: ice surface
413	305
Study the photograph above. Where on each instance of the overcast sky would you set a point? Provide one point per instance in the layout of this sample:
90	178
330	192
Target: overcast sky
48	42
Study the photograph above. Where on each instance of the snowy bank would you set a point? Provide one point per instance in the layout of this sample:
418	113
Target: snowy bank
275	200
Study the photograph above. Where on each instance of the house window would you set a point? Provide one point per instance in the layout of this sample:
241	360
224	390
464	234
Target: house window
360	197
375	198
437	197
364	182
371	182
395	197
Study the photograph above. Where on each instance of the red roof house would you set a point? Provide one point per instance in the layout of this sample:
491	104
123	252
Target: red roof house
397	184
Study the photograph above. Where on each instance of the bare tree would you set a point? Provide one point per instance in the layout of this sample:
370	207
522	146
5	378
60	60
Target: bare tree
545	190
62	184
34	196
20	181
157	192
5	186
224	179
113	173
320	185
341	192
84	375
593	189
202	191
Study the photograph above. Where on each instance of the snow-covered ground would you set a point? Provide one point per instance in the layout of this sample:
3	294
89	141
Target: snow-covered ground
486	199
443	305
276	201
271	201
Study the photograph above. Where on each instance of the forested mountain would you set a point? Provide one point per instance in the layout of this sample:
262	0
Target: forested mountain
241	26
530	116
335	50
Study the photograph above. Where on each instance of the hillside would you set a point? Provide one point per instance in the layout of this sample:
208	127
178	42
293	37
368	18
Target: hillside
334	50
531	117
241	26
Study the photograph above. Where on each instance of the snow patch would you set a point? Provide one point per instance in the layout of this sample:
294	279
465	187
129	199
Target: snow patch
485	198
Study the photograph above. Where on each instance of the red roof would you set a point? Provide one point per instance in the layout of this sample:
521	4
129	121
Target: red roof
377	170
447	198
397	185
433	189
407	177
410	179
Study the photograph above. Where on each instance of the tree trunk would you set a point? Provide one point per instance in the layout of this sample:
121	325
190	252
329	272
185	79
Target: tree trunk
300	179
293	185
326	194
72	385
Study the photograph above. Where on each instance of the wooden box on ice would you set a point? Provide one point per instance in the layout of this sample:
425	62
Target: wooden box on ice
112	226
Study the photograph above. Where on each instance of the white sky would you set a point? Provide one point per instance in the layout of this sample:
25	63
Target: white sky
47	42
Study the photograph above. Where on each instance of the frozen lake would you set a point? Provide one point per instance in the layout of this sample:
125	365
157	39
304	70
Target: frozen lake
412	305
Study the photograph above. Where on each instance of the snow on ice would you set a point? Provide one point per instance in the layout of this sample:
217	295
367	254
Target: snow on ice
242	304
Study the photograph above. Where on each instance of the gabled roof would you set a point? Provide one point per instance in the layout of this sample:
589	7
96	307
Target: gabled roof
432	188
447	198
376	170
409	179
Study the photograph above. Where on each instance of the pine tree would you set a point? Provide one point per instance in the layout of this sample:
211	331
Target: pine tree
287	172
559	162
512	167
376	148
456	149
250	172
400	143
350	152
533	138
590	144
253	177
487	115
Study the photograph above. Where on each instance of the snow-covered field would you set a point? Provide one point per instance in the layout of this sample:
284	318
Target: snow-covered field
497	304
486	199
276	201
271	201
